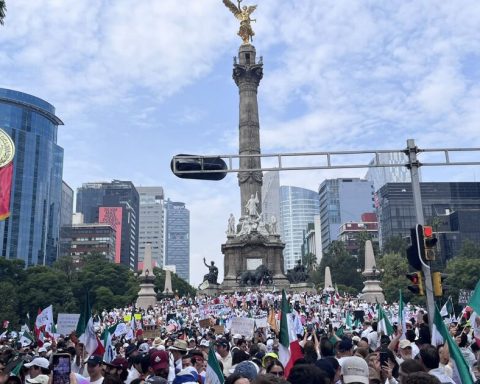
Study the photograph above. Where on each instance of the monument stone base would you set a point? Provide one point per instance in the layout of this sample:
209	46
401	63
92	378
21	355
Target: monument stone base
246	253
303	287
147	296
209	289
372	292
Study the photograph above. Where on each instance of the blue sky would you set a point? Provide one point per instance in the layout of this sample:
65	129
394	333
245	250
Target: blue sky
137	82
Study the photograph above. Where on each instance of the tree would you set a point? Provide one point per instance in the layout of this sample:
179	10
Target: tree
395	244
343	266
309	261
3	10
462	273
9	305
469	250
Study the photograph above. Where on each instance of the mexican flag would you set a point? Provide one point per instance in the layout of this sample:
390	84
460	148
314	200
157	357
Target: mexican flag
348	321
214	374
43	324
289	347
383	322
474	302
447	309
110	353
86	331
440	336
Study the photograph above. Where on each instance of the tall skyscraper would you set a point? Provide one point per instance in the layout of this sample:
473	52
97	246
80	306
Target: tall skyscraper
341	201
381	176
271	196
117	204
396	212
32	230
66	211
151	223
298	207
177	238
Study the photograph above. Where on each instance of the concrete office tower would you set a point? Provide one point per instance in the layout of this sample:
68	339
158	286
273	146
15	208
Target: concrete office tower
177	238
117	204
66	210
151	227
298	207
342	201
31	233
396	212
271	196
381	176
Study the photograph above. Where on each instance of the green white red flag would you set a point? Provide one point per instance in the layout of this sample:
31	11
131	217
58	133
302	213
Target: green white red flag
289	349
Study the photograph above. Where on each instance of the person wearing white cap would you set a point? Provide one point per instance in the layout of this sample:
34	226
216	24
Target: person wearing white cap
354	370
38	366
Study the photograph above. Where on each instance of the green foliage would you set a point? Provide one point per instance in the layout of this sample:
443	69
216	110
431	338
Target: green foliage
395	268
179	285
309	261
462	273
343	267
65	285
469	250
395	244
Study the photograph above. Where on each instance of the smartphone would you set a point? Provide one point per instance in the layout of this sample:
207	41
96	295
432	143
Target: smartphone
383	358
61	368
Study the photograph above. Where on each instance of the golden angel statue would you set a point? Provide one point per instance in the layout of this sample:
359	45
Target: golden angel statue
242	14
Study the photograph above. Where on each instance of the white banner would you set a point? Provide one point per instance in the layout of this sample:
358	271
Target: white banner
120	330
243	326
67	323
261	322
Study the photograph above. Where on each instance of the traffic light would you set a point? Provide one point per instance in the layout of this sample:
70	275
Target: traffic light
417	249
417	283
437	281
430	242
195	166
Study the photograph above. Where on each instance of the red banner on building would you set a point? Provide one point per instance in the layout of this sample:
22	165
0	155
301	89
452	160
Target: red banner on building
113	216
5	190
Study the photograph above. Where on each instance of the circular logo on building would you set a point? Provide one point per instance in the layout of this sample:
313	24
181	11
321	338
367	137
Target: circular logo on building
7	148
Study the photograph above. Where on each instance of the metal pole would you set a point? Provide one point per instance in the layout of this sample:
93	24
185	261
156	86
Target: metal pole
414	166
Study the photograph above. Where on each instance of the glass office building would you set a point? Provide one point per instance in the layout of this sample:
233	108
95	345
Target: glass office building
32	231
298	207
177	238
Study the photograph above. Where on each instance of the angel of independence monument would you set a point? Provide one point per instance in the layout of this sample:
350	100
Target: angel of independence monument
253	252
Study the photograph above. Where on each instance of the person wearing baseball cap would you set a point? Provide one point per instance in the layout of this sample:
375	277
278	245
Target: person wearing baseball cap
94	369
354	370
38	366
159	364
117	368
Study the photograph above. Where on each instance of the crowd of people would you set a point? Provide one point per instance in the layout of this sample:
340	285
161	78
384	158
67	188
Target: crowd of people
194	340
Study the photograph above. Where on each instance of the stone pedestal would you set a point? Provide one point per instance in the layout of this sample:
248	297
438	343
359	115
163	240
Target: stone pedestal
146	296
247	252
303	287
372	292
209	289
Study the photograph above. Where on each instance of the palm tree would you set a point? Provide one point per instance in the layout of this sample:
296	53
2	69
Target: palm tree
3	9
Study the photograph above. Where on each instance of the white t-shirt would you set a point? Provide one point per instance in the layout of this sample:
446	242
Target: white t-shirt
99	381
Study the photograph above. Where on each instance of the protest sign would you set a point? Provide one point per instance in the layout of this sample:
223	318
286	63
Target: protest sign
261	321
67	323
205	323
243	326
219	329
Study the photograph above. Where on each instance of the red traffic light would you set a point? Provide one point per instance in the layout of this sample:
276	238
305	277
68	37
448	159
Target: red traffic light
413	277
427	231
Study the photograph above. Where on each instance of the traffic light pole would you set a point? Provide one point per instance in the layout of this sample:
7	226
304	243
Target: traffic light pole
414	166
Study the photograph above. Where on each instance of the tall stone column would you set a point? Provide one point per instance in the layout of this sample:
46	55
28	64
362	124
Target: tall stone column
247	74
